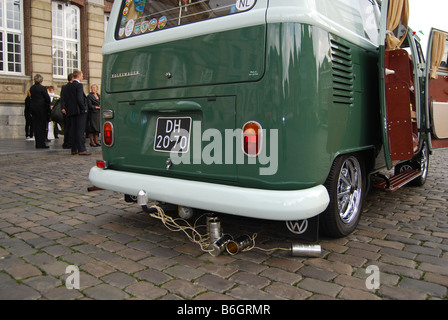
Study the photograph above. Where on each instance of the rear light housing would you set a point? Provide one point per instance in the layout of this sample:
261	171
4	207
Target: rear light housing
252	138
108	134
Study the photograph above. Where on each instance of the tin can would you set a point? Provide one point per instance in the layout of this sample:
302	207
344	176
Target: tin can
235	246
219	245
214	229
305	250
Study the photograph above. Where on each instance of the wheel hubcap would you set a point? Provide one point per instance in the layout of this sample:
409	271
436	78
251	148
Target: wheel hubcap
424	161
349	190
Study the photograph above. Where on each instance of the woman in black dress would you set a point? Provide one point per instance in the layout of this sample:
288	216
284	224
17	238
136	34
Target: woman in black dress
93	118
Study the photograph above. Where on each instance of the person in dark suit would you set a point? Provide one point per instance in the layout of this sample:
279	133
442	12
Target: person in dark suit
76	111
29	133
40	111
66	144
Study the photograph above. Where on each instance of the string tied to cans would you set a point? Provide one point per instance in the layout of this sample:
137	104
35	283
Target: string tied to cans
215	242
180	224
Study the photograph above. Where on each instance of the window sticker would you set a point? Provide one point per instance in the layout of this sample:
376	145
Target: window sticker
244	5
137	28
129	27
152	24
145	26
162	22
139	6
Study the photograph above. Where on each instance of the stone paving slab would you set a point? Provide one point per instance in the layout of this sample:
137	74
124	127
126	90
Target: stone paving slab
48	222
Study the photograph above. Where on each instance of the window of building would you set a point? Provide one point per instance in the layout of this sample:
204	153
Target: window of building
11	37
66	32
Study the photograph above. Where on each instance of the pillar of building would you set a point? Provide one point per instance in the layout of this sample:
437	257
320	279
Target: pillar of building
95	40
41	44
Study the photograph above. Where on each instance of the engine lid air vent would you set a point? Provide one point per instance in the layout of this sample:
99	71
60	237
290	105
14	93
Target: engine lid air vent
343	77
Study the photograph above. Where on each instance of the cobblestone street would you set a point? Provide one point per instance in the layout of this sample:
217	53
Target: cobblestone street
49	221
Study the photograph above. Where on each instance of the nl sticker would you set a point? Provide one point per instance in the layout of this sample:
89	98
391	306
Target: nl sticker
244	5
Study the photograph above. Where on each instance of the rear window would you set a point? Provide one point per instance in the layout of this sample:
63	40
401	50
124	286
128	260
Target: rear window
139	17
356	15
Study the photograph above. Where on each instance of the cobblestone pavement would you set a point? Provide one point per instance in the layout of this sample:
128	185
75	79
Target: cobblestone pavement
48	221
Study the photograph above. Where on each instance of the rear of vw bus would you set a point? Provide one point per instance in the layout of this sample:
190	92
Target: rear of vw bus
237	106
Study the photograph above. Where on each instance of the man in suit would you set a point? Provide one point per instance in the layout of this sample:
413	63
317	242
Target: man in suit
76	111
66	144
40	111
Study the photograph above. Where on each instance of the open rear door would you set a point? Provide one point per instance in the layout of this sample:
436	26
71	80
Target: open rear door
382	77
437	88
397	89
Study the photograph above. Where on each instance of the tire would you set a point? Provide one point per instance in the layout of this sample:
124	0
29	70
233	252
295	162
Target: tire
423	165
346	185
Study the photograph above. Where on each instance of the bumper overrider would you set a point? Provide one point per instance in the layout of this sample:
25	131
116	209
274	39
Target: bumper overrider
277	205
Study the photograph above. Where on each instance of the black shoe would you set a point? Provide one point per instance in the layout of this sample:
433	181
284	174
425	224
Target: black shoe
43	147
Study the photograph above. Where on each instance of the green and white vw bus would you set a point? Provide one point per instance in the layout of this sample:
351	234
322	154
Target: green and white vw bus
268	109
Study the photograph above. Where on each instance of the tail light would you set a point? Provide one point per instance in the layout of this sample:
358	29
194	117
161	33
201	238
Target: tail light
108	134
101	164
252	138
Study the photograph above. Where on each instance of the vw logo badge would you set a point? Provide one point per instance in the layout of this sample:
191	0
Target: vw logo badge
297	227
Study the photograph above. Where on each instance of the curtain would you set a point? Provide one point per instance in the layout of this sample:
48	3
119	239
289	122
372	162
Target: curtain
438	49
398	12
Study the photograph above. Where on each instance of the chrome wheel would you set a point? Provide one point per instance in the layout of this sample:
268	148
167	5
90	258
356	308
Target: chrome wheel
423	165
346	185
420	162
424	161
349	190
406	167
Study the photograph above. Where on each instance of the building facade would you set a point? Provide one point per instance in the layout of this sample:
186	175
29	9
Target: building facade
51	38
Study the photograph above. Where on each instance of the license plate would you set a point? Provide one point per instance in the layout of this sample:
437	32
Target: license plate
173	135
